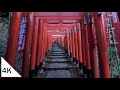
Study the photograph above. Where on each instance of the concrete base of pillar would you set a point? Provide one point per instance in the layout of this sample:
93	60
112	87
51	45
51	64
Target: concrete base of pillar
77	61
40	66
81	73
80	65
84	70
74	60
88	73
46	54
36	69
70	55
31	73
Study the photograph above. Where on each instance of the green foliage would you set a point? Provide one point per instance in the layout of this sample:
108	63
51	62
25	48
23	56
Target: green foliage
4	14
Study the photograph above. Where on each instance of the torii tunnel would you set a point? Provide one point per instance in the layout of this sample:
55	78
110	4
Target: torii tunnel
91	41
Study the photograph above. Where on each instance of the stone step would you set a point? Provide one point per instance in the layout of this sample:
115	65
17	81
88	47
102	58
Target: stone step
57	48
44	68
58	57
57	54
59	74
57	51
59	66
57	61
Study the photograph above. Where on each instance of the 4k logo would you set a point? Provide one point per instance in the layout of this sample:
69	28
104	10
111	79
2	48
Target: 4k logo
7	70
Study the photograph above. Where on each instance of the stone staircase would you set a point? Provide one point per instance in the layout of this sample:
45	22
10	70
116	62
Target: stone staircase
57	64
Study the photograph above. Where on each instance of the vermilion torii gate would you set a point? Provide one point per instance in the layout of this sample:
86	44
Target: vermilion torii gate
79	34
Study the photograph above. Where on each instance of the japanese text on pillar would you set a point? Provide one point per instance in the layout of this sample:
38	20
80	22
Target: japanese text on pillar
22	34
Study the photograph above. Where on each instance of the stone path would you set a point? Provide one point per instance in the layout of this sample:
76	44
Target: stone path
57	65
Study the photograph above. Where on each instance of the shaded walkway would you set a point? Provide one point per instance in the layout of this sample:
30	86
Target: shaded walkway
57	65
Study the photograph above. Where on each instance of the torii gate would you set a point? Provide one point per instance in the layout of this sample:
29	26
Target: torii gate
79	35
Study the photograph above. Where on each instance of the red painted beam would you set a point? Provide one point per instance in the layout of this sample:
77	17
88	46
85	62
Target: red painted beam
76	45
70	39
60	25
52	14
83	45
79	45
11	52
39	45
102	50
87	53
45	46
27	49
24	13
92	49
60	17
58	13
73	43
58	31
66	35
34	45
59	28
61	21
48	41
43	43
58	35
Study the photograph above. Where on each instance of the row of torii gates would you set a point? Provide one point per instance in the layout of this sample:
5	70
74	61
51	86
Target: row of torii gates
80	36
